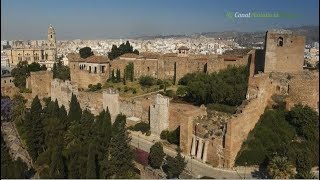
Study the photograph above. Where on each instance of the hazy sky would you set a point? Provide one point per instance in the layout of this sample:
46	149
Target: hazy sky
101	19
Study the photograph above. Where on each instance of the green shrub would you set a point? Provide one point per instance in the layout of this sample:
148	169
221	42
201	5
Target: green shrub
148	133
126	89
181	91
186	78
141	126
25	90
174	136
146	81
164	134
159	82
134	91
95	87
170	93
222	108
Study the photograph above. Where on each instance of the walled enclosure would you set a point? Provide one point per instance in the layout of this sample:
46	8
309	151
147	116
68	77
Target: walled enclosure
161	66
183	115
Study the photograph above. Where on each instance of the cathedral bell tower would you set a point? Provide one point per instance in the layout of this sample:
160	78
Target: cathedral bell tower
51	37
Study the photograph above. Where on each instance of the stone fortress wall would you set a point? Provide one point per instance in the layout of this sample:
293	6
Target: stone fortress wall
302	86
62	92
161	66
41	83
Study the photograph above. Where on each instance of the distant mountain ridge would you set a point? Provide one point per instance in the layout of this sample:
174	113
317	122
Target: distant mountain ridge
246	38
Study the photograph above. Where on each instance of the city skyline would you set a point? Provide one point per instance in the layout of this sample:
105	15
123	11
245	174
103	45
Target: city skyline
122	19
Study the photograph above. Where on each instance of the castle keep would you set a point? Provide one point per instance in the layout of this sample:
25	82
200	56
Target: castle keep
284	51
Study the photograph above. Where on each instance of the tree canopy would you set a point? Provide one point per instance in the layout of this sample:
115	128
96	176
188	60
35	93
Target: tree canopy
61	71
228	86
85	52
122	49
287	134
22	71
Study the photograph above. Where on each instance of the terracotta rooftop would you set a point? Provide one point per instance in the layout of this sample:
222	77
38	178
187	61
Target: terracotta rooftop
97	59
129	55
170	55
75	57
150	55
183	48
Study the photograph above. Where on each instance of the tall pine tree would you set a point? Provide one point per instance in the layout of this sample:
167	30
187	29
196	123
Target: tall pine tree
121	155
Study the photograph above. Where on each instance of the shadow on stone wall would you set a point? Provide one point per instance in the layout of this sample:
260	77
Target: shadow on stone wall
259	61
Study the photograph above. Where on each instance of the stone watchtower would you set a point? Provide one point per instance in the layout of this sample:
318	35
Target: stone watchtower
284	51
51	37
111	101
159	115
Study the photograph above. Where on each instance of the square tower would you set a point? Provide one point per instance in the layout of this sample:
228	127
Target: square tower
284	51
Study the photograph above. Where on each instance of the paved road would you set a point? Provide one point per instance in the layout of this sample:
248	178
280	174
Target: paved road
195	167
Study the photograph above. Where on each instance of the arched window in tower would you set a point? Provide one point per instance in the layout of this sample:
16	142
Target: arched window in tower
51	36
280	41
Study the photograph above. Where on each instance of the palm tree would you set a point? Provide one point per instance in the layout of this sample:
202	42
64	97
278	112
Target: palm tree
280	168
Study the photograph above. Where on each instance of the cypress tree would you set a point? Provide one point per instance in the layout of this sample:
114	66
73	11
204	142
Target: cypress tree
176	165
54	70
56	109
112	76
124	78
121	155
35	131
118	75
156	155
74	168
91	163
75	109
63	116
57	166
87	120
132	71
103	133
175	73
